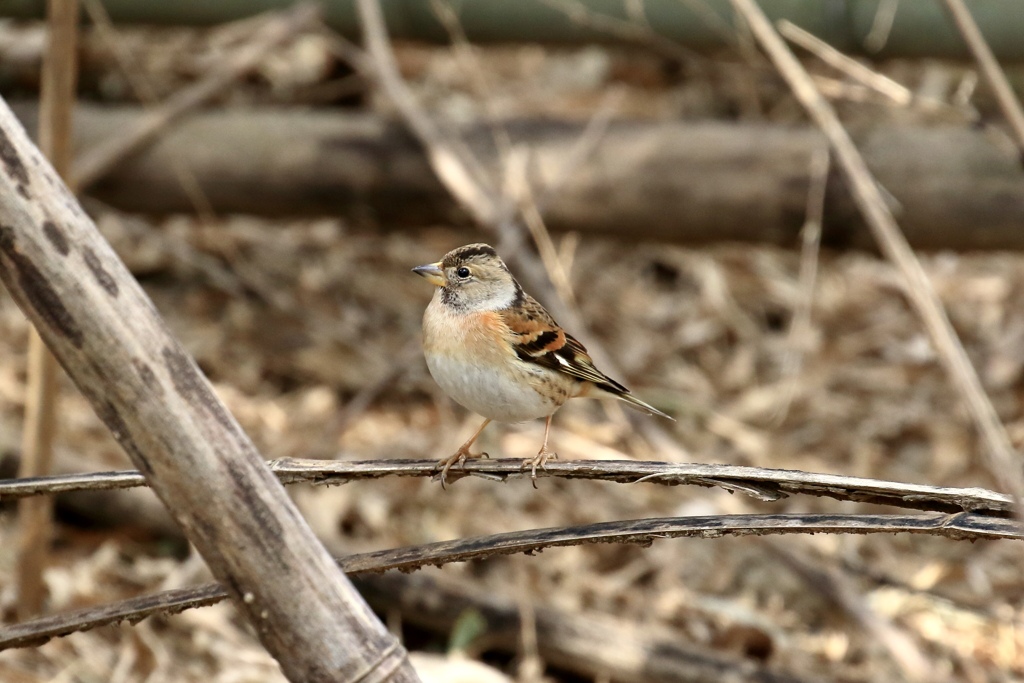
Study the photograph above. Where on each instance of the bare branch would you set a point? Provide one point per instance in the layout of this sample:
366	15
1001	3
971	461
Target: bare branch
884	85
989	68
1002	459
452	163
960	526
764	484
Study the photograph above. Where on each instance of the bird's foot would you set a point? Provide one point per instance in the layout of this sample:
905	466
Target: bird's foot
539	460
458	458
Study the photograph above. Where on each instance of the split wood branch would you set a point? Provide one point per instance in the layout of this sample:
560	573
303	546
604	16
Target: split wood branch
59	80
990	70
1001	458
959	526
150	393
763	484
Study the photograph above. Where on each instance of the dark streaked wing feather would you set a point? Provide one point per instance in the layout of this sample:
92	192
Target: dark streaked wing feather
540	340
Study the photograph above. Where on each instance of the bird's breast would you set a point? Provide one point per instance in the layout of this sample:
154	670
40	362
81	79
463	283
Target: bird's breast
471	358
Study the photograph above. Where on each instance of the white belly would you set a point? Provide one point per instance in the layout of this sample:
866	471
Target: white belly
494	395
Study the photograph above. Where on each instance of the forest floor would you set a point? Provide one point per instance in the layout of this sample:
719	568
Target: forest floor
293	319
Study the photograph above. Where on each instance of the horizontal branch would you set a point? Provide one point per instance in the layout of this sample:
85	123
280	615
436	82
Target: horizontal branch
763	484
959	526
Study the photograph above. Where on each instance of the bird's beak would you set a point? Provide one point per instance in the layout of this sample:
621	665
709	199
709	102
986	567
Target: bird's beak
432	272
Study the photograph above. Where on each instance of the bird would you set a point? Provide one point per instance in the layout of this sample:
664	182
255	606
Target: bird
496	351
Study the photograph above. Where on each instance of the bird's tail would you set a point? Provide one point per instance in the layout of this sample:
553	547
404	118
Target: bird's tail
640	405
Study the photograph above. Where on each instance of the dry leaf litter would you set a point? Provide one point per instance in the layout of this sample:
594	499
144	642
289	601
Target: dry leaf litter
293	319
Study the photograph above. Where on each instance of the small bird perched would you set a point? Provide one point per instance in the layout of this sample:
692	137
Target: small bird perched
495	350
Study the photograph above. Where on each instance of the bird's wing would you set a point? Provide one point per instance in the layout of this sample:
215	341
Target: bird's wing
537	338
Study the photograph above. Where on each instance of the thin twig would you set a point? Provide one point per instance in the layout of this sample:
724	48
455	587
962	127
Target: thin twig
765	484
870	80
894	91
1001	458
583	148
881	26
146	93
59	82
962	526
96	162
625	29
464	53
452	163
519	187
990	69
810	237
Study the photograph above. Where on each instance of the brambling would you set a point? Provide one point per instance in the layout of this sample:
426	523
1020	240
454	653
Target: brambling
495	350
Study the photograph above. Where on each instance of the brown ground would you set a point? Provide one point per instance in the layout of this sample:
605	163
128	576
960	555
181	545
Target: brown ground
291	320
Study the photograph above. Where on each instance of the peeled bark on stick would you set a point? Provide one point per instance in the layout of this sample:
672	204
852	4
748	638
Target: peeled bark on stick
100	325
682	182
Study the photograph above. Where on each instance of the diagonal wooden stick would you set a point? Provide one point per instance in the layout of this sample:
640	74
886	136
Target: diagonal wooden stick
1002	459
108	336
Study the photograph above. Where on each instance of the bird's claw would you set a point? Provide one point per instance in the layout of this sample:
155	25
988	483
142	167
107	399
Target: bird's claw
458	458
539	460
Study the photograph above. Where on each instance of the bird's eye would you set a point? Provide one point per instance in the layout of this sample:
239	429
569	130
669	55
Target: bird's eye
463	271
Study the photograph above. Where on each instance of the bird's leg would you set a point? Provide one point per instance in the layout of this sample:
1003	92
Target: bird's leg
543	455
462	454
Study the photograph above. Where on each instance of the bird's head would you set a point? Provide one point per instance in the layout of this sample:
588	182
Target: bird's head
474	278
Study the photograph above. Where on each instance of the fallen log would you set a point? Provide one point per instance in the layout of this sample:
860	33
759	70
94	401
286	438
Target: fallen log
590	645
679	181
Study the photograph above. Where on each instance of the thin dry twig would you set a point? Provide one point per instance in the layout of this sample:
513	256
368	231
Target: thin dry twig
454	165
470	64
881	25
625	29
1001	458
59	82
519	187
146	93
764	484
990	69
810	238
280	27
962	525
884	85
